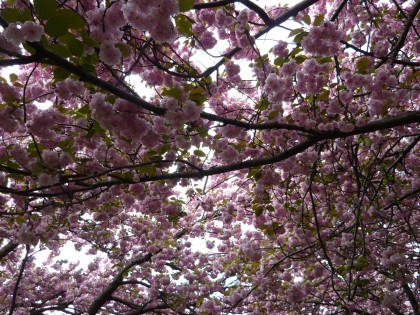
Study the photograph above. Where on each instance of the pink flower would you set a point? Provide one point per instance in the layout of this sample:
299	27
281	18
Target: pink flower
108	53
32	32
358	38
14	34
175	118
207	40
222	19
289	68
229	154
280	50
252	251
191	110
323	40
100	216
295	293
232	69
243	16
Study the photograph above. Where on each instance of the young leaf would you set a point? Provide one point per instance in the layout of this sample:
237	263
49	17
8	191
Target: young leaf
71	18
185	5
56	27
184	25
45	8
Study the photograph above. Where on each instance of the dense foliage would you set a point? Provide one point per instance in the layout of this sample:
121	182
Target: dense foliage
262	174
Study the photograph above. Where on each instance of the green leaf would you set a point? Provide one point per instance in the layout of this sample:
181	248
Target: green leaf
254	172
174	92
29	48
279	61
183	24
324	59
65	144
300	59
298	38
194	89
66	38
273	115
185	5
45	8
13	77
295	32
318	20
88	68
263	104
295	51
76	47
71	18
258	209
98	129
362	64
56	27
307	19
13	15
33	149
123	48
61	74
85	110
199	99
199	153
60	50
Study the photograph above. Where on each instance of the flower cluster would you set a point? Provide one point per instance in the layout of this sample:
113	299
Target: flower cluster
152	16
177	115
28	31
109	53
323	40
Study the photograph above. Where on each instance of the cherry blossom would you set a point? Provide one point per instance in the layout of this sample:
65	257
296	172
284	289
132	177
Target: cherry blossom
209	157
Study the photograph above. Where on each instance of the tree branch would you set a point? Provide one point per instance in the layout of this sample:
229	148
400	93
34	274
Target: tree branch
249	4
338	10
106	294
370	54
19	61
408	24
21	271
386	123
7	249
412	298
282	18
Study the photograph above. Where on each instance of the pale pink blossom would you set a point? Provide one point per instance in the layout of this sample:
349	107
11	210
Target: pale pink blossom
109	53
32	32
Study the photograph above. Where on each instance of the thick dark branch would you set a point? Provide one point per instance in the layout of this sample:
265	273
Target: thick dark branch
249	4
213	4
18	61
12	170
86	76
395	310
386	123
412	298
370	54
338	10
293	11
148	310
49	309
106	294
21	271
7	249
54	59
407	26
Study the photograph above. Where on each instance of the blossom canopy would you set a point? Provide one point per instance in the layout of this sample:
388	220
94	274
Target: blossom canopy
209	157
